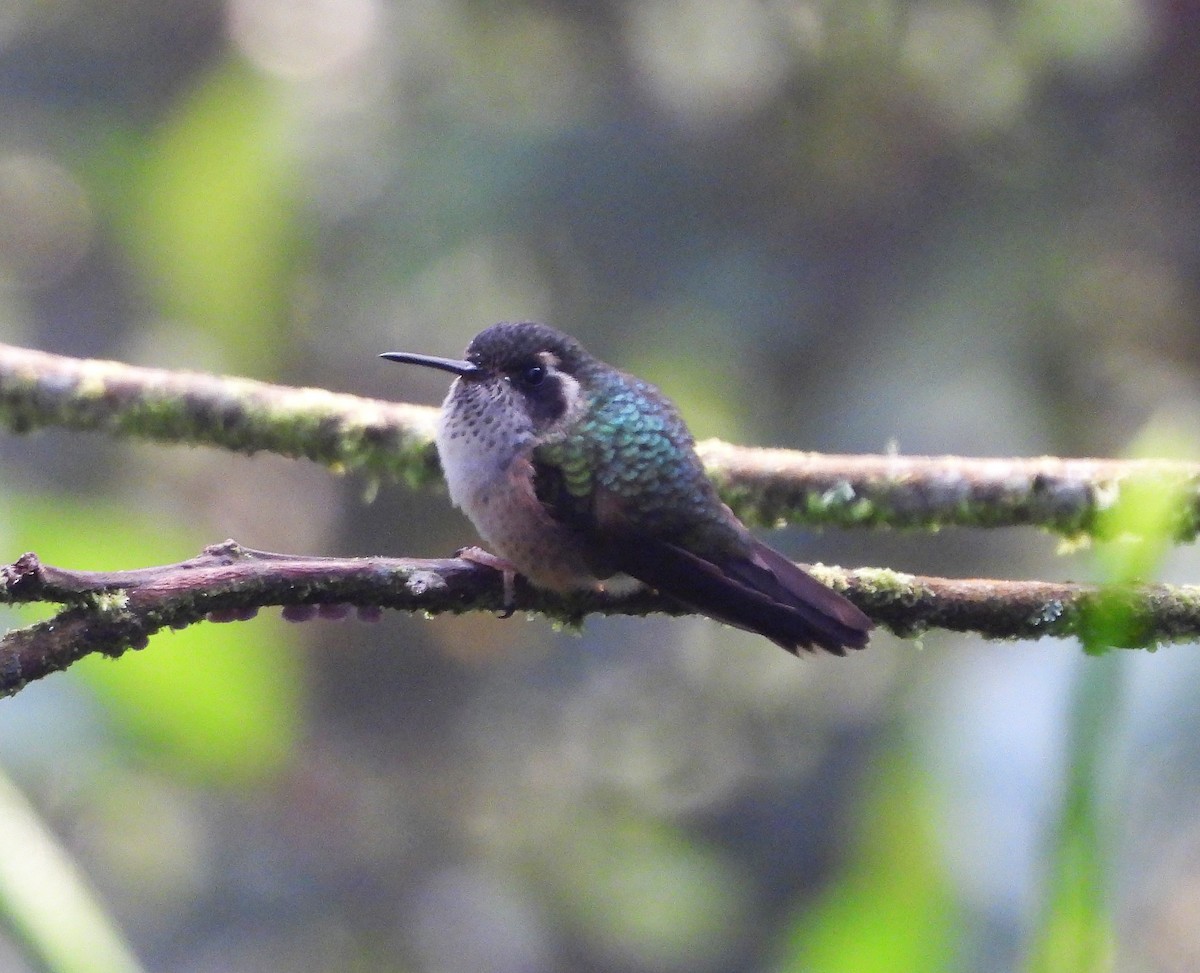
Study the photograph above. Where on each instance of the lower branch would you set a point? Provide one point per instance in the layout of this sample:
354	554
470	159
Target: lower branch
112	612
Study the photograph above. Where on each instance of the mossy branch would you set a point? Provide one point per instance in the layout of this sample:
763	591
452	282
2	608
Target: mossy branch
111	612
394	440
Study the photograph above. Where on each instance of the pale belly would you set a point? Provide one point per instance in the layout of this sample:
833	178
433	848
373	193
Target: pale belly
496	492
544	552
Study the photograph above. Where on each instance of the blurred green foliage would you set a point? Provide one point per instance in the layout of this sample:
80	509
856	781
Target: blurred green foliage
642	891
46	904
215	228
893	907
220	704
944	225
1077	930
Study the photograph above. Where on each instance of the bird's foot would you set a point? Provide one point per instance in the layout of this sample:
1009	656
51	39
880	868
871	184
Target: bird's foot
508	571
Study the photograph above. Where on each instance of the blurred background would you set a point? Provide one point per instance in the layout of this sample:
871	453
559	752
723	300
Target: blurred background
947	226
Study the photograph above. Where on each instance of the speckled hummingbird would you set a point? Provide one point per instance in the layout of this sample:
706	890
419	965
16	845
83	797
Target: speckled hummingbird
576	473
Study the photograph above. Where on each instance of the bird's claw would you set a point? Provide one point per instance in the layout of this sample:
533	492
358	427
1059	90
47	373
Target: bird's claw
508	572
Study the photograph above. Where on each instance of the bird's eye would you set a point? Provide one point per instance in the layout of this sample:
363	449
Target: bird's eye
532	376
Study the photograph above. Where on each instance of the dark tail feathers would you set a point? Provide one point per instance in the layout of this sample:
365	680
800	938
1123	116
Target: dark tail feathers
763	592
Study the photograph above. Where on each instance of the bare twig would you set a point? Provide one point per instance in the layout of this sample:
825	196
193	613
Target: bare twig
111	612
391	439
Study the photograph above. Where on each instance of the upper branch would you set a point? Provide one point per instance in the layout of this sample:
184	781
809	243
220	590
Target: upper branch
341	431
765	486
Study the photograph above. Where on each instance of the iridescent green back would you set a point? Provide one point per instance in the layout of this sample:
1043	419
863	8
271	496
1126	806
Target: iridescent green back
631	444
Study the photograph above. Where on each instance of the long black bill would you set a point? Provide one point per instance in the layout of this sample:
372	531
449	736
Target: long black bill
458	367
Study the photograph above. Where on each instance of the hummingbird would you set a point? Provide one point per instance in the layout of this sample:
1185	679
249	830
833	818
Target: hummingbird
578	474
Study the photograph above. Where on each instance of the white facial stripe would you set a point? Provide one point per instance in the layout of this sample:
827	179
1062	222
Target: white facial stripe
574	397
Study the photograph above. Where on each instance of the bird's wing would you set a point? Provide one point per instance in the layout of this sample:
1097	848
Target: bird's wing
748	585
